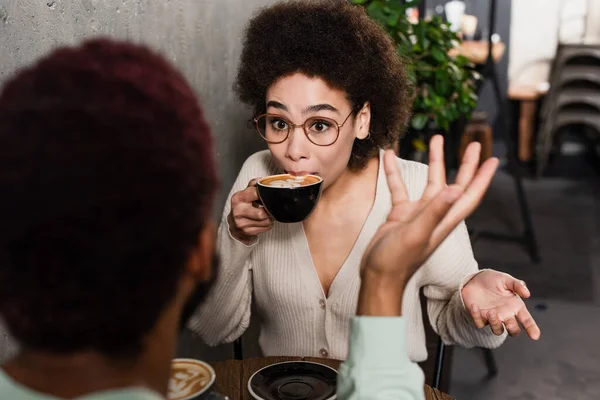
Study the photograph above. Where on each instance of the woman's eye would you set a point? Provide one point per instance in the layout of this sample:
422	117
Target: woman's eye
279	124
320	126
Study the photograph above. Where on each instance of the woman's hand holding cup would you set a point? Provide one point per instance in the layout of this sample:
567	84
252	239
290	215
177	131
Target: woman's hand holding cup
248	218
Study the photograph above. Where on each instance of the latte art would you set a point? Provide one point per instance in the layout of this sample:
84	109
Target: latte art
289	181
189	378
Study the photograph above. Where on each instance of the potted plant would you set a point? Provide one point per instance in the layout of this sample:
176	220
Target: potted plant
443	83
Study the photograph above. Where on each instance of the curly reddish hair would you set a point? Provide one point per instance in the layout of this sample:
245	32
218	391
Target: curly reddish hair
338	43
107	175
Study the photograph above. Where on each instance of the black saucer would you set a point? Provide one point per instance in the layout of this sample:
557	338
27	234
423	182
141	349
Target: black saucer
296	380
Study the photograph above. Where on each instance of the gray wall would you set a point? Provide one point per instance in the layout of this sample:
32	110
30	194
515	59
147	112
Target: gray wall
201	37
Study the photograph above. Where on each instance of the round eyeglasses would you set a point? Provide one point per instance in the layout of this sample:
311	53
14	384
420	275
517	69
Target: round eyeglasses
321	131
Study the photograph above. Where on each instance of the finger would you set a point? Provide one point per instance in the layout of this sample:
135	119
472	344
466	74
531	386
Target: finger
533	331
518	286
436	180
495	323
432	214
256	230
478	186
469	200
476	315
248	211
394	179
512	327
245	224
248	195
468	165
253	182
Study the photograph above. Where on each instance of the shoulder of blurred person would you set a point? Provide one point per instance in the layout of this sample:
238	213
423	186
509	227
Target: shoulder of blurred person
11	390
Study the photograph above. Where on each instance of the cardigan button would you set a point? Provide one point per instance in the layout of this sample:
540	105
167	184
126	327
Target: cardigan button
324	353
322	303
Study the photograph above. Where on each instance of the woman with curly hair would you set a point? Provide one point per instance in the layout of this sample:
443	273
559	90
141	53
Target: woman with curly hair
329	93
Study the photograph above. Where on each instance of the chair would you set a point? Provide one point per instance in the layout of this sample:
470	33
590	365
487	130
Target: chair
579	73
488	356
440	363
437	367
479	130
568	97
573	98
238	351
525	100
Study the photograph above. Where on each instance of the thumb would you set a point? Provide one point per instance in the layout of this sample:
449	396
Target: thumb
517	286
253	182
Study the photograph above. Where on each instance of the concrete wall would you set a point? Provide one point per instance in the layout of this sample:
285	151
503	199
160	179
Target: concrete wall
201	37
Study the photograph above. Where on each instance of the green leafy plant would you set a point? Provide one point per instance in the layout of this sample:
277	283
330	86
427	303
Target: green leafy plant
444	84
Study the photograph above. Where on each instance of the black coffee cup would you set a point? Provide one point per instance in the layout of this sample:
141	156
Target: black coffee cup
290	198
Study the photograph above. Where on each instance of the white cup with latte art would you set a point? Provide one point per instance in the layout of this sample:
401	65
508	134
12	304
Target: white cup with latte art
190	379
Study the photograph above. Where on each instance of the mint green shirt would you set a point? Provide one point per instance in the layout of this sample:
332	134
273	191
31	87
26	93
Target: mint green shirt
9	389
377	368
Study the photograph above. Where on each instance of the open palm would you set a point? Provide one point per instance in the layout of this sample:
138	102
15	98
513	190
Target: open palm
496	298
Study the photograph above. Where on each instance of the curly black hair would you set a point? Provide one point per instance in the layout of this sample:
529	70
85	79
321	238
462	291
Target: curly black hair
107	176
338	43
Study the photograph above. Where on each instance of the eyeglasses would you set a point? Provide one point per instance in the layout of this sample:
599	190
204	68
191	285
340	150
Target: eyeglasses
321	131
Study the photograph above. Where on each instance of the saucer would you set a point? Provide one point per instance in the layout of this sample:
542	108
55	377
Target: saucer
295	380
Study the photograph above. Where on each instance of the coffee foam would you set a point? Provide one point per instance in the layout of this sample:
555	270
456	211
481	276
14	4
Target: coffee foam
188	379
289	181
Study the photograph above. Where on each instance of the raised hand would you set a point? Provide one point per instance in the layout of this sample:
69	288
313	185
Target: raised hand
414	229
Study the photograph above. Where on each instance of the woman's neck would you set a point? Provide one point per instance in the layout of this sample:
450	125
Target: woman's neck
351	184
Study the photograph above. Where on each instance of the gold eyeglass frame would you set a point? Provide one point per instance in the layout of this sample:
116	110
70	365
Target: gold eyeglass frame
292	126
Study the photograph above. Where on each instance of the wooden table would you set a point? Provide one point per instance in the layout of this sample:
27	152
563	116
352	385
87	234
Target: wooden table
233	375
477	51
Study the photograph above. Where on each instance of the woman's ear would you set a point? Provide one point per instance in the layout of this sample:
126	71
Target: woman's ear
363	122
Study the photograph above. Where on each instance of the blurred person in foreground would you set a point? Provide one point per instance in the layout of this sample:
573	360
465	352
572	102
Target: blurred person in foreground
108	178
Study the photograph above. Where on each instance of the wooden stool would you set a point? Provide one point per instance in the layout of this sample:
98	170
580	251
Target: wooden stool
478	130
528	97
